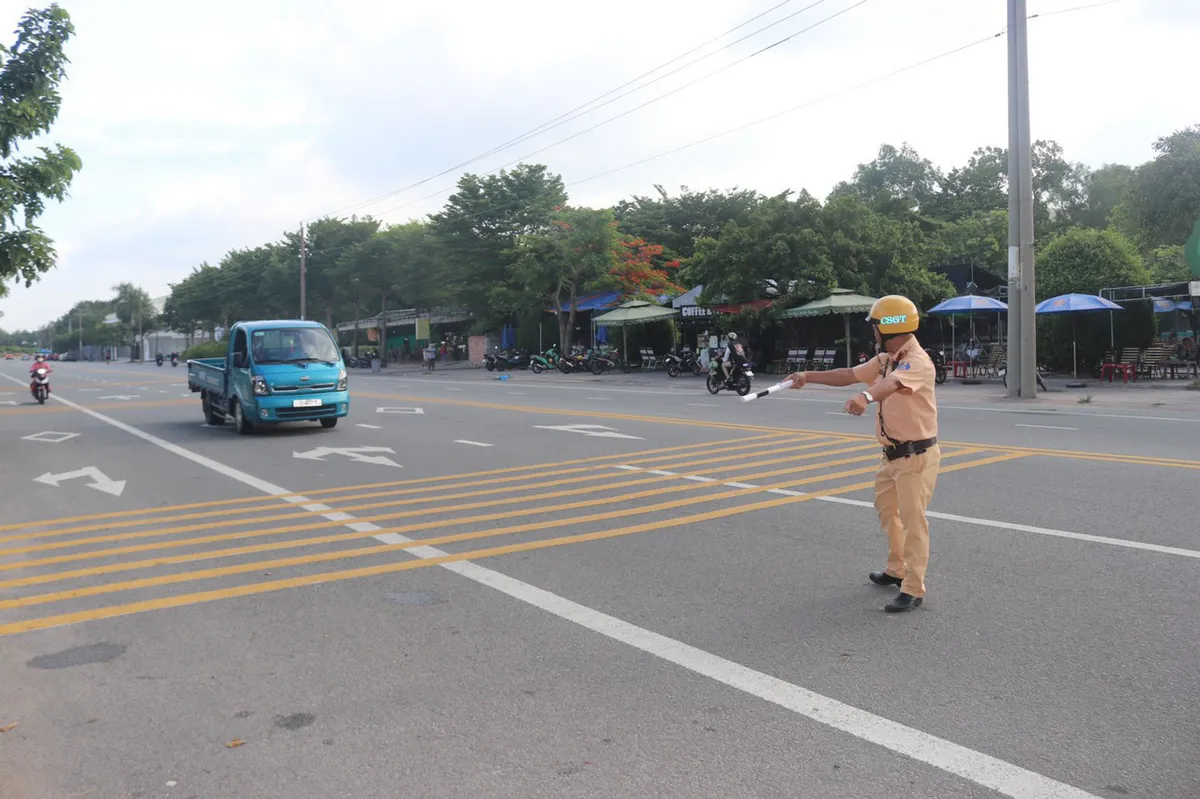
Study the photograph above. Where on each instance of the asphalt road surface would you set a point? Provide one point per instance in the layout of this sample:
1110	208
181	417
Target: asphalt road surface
577	587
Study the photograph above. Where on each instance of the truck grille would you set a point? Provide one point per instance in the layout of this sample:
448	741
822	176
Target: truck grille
313	387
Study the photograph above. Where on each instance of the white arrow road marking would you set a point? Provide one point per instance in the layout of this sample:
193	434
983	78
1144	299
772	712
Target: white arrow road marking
121	396
100	481
51	437
588	430
400	410
353	453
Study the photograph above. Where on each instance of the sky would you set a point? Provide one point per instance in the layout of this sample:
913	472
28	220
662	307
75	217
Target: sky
207	127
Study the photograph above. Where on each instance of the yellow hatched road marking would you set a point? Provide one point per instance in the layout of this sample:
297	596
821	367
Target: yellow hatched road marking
598	472
347	574
328	523
321	492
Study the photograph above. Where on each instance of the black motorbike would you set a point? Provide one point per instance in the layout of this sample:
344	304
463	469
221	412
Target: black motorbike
158	359
739	377
939	364
685	361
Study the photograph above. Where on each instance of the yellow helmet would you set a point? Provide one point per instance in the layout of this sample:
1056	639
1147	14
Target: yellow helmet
895	315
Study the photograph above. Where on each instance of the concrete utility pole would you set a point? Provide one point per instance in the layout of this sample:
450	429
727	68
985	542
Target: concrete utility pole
1022	330
303	267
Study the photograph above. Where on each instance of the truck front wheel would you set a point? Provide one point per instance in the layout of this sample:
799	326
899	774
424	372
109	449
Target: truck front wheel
240	422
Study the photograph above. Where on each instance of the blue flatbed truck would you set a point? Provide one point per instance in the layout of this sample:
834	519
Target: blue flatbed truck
274	371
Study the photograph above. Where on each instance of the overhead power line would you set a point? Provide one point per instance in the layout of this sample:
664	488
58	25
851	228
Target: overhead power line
649	102
579	111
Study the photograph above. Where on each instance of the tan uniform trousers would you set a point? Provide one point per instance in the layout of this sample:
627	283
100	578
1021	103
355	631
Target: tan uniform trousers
903	488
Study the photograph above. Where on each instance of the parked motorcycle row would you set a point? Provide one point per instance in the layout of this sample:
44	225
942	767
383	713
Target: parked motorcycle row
599	361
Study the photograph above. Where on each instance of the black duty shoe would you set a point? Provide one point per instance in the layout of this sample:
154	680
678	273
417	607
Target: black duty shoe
883	578
903	602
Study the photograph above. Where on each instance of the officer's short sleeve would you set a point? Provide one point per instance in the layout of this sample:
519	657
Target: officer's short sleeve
869	371
913	372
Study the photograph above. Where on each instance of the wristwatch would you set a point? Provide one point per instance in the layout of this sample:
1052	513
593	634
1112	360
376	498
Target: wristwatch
870	399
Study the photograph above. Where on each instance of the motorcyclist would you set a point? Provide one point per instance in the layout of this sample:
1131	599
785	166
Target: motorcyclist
733	349
39	362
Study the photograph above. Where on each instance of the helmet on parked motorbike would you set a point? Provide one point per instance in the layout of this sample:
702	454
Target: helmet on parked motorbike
894	315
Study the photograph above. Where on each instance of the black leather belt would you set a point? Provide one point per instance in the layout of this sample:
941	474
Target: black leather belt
907	449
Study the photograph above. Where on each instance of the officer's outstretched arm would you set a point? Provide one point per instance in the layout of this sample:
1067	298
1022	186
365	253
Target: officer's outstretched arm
833	377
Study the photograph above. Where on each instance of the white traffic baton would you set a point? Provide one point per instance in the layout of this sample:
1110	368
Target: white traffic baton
777	387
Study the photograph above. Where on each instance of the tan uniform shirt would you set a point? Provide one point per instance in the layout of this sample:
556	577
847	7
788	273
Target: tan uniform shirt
910	414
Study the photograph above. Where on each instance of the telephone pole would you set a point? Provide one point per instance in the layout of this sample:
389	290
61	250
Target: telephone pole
1022	330
303	267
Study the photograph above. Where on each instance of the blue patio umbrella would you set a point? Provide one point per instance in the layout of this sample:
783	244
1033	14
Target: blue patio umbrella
968	303
1075	303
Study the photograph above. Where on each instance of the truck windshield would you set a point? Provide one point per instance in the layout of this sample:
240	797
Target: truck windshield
293	345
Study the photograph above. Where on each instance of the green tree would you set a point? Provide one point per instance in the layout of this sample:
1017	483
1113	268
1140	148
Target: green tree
981	238
578	254
327	239
1163	202
877	253
478	229
780	248
31	70
1085	261
897	182
1104	189
677	223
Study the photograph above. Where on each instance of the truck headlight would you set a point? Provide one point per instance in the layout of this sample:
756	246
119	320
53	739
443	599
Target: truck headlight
343	380
260	386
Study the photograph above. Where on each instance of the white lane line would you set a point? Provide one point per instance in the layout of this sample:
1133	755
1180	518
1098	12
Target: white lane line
661	472
448	388
1045	427
699	478
954	517
1046	531
597	399
516	393
982	769
369	426
629	468
703	405
990	772
471	443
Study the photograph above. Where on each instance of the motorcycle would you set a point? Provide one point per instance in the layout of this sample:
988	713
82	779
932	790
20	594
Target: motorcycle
739	378
158	359
578	361
601	362
547	360
939	364
40	387
174	359
685	361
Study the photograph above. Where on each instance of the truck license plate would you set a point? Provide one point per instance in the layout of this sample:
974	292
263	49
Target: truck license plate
306	403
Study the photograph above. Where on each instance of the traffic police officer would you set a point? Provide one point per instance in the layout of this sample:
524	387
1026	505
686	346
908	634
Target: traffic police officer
900	379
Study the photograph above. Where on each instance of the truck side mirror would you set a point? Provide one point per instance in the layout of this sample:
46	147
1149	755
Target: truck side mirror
239	360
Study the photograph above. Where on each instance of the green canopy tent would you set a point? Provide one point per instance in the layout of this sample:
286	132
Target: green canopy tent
634	312
840	301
